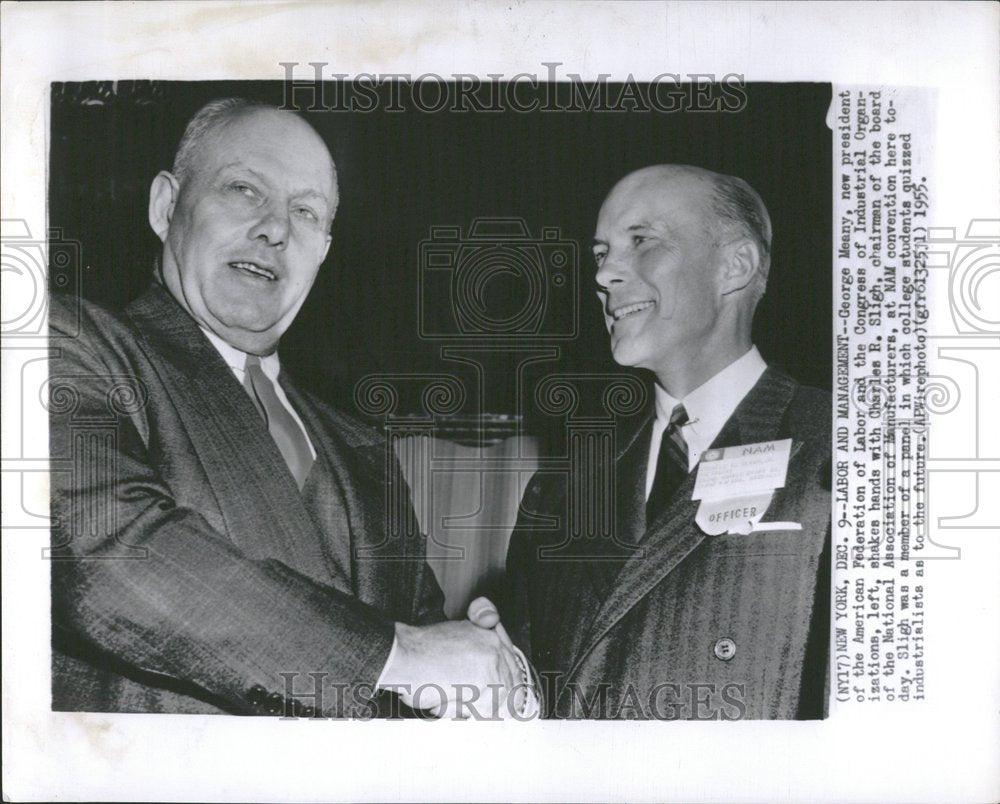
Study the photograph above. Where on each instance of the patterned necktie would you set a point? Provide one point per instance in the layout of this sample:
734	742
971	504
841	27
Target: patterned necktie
671	464
283	428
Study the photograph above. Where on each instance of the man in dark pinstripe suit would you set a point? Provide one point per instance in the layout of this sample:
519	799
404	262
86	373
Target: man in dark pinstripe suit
670	615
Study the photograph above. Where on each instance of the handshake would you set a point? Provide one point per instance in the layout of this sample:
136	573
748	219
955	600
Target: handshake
462	668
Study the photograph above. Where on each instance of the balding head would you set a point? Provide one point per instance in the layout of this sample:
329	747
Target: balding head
682	257
730	208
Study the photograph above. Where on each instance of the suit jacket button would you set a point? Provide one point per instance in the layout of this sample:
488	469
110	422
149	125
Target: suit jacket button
275	704
256	695
725	649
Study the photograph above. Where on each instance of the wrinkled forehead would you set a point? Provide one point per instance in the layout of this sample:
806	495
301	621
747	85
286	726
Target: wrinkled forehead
270	139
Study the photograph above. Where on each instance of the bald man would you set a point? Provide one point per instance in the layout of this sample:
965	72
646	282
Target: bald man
707	597
222	542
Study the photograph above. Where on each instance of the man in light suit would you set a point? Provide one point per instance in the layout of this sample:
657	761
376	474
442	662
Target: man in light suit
223	542
670	615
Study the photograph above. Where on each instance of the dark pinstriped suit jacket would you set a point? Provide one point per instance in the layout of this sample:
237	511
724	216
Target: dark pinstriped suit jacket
685	625
189	571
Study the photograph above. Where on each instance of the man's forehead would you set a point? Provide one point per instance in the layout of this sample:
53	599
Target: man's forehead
653	200
263	135
266	123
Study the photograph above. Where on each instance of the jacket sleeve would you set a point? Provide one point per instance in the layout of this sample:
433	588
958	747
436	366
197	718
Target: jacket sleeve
151	584
430	599
515	597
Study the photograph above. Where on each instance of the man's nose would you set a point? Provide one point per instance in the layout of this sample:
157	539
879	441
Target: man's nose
272	227
612	271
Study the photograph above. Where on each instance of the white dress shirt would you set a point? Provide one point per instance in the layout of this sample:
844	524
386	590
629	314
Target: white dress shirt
270	365
708	407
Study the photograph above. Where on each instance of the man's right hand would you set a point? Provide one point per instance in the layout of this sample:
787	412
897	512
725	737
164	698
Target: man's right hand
450	668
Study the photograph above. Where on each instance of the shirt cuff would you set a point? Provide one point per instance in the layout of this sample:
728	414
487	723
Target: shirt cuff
529	706
387	665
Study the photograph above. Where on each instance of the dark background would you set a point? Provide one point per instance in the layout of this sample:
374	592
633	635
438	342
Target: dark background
402	173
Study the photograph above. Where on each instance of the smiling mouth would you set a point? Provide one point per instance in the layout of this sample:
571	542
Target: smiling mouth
255	270
631	309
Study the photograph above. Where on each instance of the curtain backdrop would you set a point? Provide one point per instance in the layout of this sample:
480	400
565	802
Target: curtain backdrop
466	500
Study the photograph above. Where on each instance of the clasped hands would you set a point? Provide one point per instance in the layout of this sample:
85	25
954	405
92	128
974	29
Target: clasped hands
461	669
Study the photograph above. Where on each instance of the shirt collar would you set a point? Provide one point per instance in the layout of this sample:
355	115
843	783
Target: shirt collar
237	360
710	405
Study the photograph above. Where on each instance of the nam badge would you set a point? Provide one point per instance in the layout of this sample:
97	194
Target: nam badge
736	486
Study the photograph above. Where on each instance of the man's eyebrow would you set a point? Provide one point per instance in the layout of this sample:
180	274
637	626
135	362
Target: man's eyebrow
635	227
308	192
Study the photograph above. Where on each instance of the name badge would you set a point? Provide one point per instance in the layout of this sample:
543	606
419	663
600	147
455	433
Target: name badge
732	515
736	486
743	471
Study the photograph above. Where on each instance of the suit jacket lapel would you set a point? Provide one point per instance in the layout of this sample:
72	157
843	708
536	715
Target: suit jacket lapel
631	466
260	504
632	454
674	534
385	532
357	469
326	490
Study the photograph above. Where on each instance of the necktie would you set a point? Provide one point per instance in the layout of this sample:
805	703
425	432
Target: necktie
671	464
283	428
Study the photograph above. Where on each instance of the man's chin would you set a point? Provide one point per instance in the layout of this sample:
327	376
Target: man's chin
624	354
248	329
254	341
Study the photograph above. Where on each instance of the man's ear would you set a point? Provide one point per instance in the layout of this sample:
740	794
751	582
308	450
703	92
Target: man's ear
162	198
741	261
